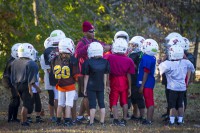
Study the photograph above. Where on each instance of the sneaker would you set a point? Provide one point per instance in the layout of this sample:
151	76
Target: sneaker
53	119
123	122
25	124
39	120
134	118
81	119
102	124
29	120
15	120
68	124
59	123
116	122
147	122
166	119
164	115
111	115
170	124
141	119
180	123
96	121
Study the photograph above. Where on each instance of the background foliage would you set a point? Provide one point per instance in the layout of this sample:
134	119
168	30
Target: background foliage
33	20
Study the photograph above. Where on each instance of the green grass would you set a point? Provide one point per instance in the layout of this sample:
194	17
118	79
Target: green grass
192	116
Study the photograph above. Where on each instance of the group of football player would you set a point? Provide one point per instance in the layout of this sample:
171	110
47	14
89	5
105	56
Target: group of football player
125	70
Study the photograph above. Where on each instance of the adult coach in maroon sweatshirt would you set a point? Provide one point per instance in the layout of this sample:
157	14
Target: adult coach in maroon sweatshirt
82	55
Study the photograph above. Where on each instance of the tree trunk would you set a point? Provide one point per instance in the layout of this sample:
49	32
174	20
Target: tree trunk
35	11
196	49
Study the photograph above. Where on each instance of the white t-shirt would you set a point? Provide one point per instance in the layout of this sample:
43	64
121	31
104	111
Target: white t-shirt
42	63
176	72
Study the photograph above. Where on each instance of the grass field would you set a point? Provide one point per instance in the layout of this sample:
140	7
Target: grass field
192	117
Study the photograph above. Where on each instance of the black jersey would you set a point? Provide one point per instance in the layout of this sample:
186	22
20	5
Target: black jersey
49	54
64	70
191	58
95	68
136	57
7	73
24	71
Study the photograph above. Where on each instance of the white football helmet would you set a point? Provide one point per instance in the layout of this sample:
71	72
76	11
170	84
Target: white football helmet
26	50
186	44
121	34
175	52
56	36
150	47
48	43
34	55
170	36
95	49
14	50
175	41
136	43
120	45
66	45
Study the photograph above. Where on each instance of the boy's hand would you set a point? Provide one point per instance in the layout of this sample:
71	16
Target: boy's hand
85	94
31	93
141	90
129	92
39	90
108	89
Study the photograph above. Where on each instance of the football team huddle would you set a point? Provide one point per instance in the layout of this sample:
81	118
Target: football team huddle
92	69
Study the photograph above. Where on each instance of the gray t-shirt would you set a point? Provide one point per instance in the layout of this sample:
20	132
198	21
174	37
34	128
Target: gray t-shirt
24	71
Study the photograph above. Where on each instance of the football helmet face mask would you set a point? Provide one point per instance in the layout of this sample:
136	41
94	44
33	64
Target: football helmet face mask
26	50
56	36
66	45
122	34
175	52
136	43
14	50
150	47
34	55
120	45
186	44
95	49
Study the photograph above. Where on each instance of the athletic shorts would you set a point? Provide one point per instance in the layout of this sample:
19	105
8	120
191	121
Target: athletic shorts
37	102
25	96
137	98
176	99
148	97
119	90
66	98
94	97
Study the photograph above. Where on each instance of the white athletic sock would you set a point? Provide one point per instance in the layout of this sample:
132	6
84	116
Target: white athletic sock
172	118
180	119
